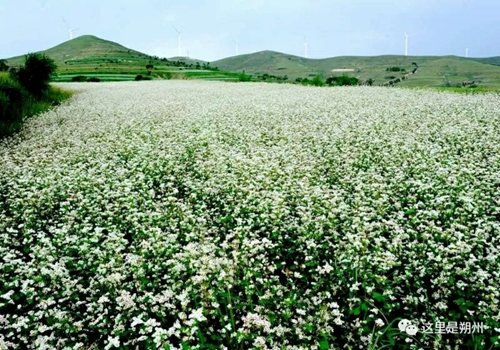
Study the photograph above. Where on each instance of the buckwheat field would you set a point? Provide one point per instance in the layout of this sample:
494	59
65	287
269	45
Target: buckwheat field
209	215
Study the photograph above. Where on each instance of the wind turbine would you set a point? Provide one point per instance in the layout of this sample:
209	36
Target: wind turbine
406	44
305	48
236	47
70	31
178	40
467	52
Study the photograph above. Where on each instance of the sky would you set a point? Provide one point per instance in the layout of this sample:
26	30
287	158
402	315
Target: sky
210	28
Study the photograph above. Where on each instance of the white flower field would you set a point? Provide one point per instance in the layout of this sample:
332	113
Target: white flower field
209	215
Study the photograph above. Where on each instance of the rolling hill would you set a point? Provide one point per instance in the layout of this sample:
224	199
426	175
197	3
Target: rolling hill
92	56
433	70
95	57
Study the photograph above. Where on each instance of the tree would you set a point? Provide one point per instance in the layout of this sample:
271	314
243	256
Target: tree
318	81
36	74
3	66
343	80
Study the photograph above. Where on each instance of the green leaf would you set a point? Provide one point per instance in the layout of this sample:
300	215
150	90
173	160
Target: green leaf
391	340
324	345
355	311
378	296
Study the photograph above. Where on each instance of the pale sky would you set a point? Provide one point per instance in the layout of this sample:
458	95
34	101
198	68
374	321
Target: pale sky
209	28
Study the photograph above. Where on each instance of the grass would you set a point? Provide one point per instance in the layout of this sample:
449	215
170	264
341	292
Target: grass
432	69
475	90
15	113
103	77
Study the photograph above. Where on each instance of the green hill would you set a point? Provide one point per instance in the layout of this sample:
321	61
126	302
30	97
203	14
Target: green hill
109	61
433	70
489	60
92	56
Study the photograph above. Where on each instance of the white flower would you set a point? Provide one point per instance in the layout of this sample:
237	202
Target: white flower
112	342
198	315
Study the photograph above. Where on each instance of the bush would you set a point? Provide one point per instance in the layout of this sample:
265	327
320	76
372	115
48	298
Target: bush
94	80
343	80
244	77
16	104
11	103
79	79
36	74
318	81
3	66
141	77
395	69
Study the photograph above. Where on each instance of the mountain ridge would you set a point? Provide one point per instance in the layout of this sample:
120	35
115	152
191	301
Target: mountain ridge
89	53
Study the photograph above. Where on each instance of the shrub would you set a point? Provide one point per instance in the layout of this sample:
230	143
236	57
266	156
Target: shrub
343	80
94	80
244	77
169	75
395	69
142	77
318	80
11	103
3	66
16	103
79	79
36	73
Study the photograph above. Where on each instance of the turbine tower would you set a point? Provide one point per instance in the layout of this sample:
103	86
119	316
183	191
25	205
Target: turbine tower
178	41
236	47
70	31
406	44
467	52
305	48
